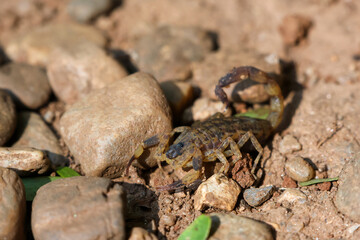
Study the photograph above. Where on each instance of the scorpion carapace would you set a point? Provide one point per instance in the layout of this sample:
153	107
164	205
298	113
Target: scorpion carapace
218	137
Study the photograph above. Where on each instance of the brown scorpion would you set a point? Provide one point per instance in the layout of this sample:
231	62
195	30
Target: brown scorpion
218	137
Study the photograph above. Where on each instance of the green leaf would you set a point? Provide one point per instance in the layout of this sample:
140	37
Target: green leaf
260	113
32	184
197	230
315	181
66	172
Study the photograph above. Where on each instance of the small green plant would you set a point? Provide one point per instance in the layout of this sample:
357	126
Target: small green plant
199	229
32	184
315	181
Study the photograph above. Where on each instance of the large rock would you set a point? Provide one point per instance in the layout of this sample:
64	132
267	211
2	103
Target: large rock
36	46
168	51
33	132
7	117
232	227
79	208
12	205
348	195
103	129
75	71
29	85
24	161
206	74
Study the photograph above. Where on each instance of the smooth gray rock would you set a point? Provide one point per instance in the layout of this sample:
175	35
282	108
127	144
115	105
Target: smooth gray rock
12	205
33	132
28	85
79	208
103	129
257	196
7	117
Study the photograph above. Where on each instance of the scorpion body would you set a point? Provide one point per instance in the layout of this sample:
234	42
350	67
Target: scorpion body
218	137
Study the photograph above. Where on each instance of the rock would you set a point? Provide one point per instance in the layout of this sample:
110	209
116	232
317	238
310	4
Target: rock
12	205
292	195
348	195
85	10
218	191
179	95
207	73
138	233
257	196
79	208
33	132
203	108
288	182
28	84
37	45
103	129
24	161
229	226
289	144
76	70
7	117
167	220
294	29
299	169
168	51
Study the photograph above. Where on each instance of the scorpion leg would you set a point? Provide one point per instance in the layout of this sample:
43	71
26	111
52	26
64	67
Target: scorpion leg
150	142
249	135
234	151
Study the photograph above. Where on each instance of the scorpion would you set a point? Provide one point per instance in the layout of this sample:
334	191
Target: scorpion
218	137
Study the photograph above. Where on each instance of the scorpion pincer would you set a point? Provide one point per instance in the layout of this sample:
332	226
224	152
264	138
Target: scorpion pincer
218	137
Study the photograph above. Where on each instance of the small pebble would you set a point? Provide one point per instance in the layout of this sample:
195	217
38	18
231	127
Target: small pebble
204	108
218	191
288	182
7	117
292	195
12	205
85	10
94	205
256	196
138	233
24	161
299	169
168	220
230	227
289	144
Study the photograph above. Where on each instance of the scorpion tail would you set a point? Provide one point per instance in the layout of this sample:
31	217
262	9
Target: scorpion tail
258	76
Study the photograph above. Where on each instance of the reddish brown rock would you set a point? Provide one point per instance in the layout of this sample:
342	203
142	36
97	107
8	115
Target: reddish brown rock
79	208
103	129
76	70
12	205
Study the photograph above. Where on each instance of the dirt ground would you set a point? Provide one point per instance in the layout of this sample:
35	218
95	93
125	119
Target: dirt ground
320	41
